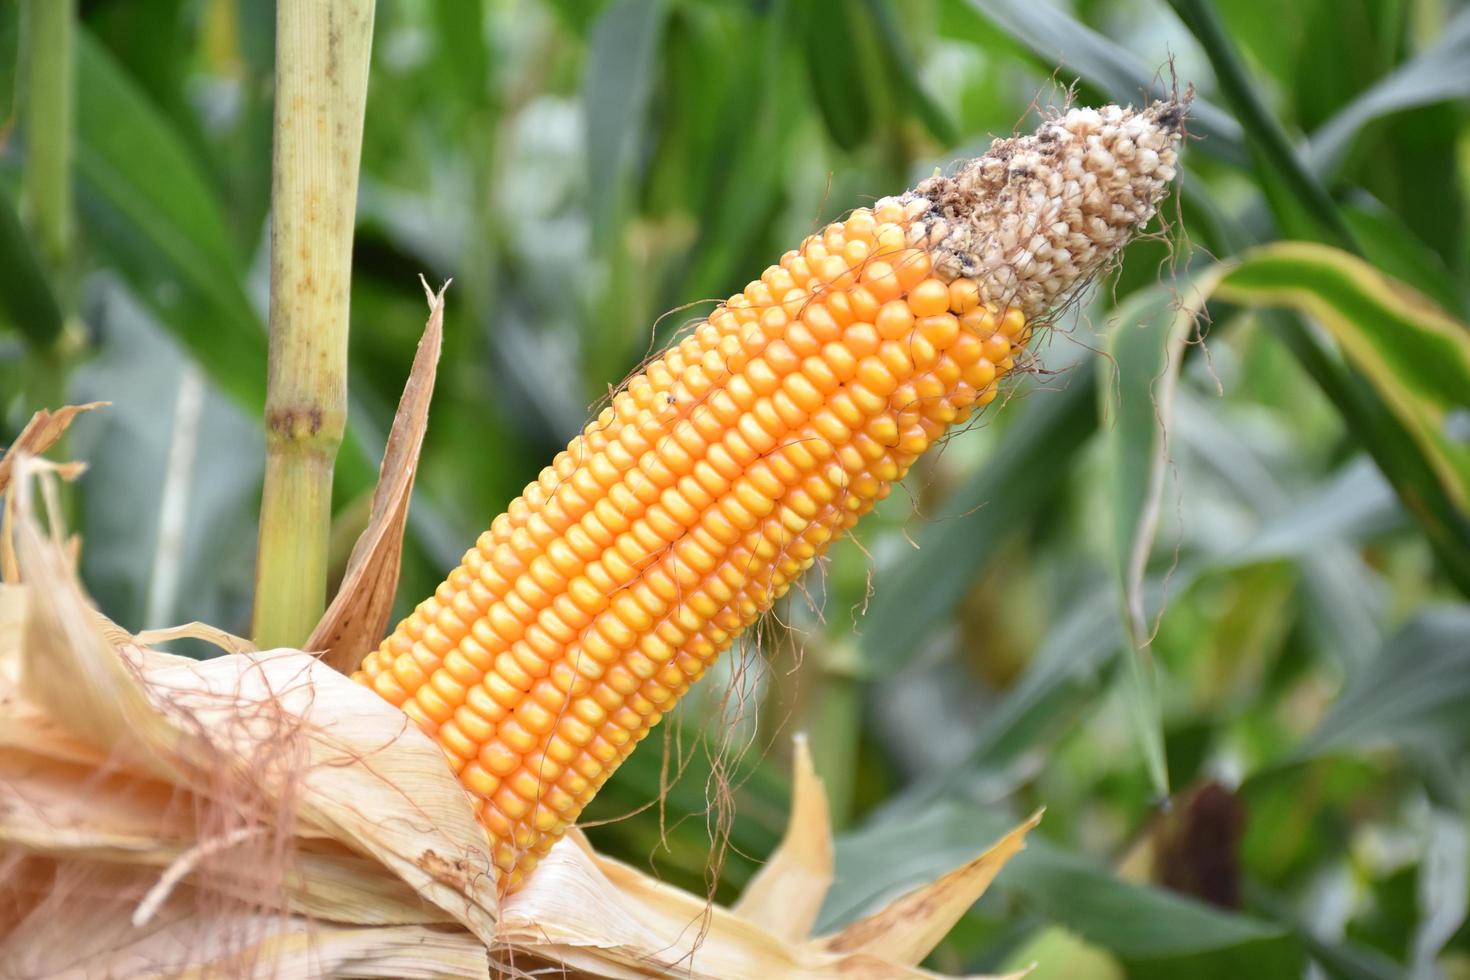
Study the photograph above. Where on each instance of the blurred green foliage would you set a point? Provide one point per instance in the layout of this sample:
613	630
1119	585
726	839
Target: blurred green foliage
1298	621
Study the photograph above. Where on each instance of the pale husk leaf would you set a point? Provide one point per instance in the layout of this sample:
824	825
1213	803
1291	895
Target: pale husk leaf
39	435
66	667
97	937
213	635
369	778
126	818
611	919
786	895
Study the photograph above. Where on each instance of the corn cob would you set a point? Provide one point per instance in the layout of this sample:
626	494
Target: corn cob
724	469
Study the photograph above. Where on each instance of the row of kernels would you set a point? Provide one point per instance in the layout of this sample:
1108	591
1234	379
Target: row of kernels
758	585
642	624
637	404
773	585
756	594
553	576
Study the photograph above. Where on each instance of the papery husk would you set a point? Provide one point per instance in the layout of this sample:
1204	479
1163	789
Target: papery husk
786	894
259	814
93	933
40	434
358	616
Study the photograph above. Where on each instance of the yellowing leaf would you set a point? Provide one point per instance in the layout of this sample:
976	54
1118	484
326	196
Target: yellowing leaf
1413	353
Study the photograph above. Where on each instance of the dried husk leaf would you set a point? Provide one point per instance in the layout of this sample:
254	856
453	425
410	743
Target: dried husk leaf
66	667
611	919
97	937
907	929
786	895
39	435
367	778
347	764
213	635
346	887
358	616
127	818
12	625
124	817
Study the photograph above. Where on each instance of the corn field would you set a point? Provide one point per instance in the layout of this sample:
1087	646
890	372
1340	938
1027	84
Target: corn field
1057	557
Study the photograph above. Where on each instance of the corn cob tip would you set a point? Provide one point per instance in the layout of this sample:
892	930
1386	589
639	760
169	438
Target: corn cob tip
1038	215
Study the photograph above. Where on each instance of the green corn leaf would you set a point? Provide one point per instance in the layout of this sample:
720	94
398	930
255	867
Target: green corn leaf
153	215
1441	73
1416	356
1394	248
1156	932
1320	531
1145	348
27	300
916	593
1299	191
460	31
1054	38
1138	378
906	70
834	42
624	63
1417	691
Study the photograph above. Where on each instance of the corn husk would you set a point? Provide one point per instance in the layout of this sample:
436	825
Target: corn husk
40	433
357	618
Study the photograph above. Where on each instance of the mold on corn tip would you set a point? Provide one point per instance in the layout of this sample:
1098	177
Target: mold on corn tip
1038	215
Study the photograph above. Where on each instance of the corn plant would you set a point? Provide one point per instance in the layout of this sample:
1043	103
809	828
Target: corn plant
1195	581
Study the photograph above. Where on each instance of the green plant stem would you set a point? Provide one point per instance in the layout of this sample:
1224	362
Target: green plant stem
49	110
1261	127
323	50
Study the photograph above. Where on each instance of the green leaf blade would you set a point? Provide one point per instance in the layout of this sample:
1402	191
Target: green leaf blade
1415	355
153	214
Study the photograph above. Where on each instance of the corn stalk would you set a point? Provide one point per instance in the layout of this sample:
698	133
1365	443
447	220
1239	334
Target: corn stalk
323	50
48	105
48	110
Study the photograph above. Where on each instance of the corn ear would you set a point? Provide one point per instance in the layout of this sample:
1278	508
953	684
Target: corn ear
724	469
